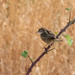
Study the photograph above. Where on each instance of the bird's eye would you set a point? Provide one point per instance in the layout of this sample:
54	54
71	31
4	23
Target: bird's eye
40	30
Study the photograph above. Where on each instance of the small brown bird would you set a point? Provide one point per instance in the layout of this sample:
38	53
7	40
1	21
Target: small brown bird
46	35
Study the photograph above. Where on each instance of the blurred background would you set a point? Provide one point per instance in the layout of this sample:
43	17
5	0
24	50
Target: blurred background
19	22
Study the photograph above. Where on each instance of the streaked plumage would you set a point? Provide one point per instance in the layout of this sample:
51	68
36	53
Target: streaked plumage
46	35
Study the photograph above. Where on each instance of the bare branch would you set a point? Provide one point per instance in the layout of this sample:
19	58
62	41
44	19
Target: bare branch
50	49
30	58
49	46
64	29
69	15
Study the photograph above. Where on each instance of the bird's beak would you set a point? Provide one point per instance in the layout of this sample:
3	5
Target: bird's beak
37	32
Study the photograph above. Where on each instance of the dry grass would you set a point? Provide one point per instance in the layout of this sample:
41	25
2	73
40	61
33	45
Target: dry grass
19	21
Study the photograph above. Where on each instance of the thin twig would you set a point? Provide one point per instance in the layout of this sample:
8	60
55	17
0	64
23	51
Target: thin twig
64	29
69	15
30	58
50	49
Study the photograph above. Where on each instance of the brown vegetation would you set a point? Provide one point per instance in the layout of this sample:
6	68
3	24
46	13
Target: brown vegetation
19	21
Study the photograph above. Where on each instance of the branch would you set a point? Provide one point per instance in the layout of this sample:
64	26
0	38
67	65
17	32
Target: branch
64	29
48	47
69	15
30	58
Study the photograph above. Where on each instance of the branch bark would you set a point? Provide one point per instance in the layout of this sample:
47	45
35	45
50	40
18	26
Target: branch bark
48	47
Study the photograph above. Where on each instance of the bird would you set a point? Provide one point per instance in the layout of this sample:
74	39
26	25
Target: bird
46	35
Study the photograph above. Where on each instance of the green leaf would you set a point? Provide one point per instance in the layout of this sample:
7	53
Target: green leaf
68	9
55	33
24	54
69	40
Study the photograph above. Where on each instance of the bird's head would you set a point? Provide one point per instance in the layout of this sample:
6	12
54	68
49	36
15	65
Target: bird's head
41	30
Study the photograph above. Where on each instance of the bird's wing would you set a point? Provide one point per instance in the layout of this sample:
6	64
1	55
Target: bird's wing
49	34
